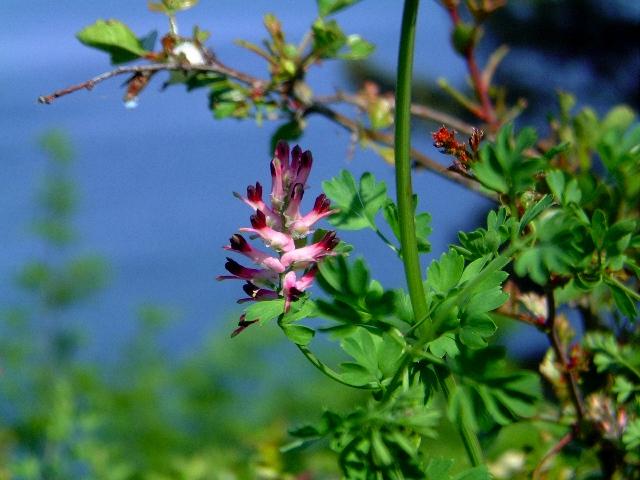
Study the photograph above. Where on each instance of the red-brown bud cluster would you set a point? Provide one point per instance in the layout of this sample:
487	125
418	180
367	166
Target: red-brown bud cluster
445	140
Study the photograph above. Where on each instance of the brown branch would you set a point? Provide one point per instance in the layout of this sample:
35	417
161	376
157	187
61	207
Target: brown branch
214	67
570	374
317	107
420	158
555	450
420	111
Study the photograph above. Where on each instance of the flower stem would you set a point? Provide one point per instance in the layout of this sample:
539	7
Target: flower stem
332	374
406	212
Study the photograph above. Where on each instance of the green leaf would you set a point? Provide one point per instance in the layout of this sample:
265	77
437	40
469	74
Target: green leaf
265	310
301	309
532	212
224	109
423	230
560	248
476	473
555	181
488	297
358	48
445	344
445	273
475	330
113	37
503	166
618	118
170	7
287	131
359	277
422	224
328	38
598	227
556	149
489	172
382	455
329	7
490	386
355	374
298	334
358	204
631	436
487	241
623	300
439	469
623	387
376	356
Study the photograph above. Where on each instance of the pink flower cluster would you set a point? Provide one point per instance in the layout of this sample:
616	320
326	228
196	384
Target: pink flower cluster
282	227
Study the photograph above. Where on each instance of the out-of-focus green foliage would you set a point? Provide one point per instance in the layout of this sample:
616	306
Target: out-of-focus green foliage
219	413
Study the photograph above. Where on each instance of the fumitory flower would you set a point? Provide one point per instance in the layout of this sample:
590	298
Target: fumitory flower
290	269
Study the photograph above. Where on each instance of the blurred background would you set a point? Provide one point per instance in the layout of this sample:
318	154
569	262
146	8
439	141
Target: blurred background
115	357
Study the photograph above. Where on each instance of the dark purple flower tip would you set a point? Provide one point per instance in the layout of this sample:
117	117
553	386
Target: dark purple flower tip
239	244
240	271
296	153
254	193
282	152
306	161
242	324
258	220
329	241
256	293
322	204
234	267
250	289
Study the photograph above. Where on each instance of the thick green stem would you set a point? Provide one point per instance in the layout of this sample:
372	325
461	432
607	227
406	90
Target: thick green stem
406	213
403	164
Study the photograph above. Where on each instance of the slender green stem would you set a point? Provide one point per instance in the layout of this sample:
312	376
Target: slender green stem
402	160
386	241
329	372
410	256
635	295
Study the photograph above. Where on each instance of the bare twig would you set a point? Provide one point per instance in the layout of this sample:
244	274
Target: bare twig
555	450
214	67
569	373
420	158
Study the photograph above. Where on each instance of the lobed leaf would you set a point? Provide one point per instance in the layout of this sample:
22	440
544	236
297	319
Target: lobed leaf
358	204
113	37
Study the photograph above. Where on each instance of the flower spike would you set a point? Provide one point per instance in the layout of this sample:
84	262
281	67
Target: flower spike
282	228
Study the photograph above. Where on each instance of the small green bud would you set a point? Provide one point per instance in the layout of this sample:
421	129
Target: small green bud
464	37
